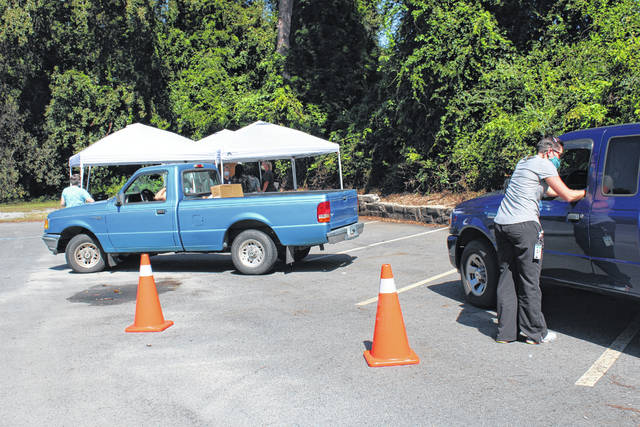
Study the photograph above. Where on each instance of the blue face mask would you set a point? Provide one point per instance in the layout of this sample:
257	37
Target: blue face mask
555	161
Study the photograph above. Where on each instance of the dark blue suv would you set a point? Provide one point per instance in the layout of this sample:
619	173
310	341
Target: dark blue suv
592	244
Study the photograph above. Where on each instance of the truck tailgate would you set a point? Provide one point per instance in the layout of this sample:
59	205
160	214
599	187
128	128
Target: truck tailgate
344	208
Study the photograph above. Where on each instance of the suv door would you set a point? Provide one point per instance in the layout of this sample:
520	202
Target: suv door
613	232
566	225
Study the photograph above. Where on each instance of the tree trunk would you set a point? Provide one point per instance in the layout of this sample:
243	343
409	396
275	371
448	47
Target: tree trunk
285	8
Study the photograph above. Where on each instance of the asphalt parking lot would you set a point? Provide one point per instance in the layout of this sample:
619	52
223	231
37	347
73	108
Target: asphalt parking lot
286	348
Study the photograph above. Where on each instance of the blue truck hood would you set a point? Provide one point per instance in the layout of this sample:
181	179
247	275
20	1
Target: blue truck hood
95	208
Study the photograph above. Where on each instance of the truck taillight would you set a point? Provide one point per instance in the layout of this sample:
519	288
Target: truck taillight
324	211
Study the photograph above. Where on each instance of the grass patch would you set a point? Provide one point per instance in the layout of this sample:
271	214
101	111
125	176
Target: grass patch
29	206
27	211
29	217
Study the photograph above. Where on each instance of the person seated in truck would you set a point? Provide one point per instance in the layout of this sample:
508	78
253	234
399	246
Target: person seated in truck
73	195
161	194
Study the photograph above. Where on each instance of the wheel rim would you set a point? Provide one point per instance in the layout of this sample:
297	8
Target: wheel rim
476	275
252	253
87	255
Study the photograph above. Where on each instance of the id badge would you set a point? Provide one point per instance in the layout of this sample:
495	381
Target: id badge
537	251
608	241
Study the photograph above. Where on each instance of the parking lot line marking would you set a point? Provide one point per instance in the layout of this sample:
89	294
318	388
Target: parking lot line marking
610	355
413	285
380	243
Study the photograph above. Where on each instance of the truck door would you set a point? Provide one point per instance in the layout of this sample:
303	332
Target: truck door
613	232
145	221
566	225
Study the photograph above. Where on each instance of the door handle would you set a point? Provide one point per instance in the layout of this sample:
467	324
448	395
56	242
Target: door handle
573	216
161	211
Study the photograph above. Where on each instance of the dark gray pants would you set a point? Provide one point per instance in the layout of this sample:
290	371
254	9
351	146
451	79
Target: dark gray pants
519	294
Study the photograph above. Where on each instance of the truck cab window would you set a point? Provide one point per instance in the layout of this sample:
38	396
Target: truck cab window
145	188
621	166
574	166
198	183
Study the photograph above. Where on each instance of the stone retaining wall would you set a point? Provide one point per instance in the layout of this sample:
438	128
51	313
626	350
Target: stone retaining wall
370	205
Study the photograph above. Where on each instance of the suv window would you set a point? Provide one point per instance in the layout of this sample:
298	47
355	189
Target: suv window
198	183
574	165
621	166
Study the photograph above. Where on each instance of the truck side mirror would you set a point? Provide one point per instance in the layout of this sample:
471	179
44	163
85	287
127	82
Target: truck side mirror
119	199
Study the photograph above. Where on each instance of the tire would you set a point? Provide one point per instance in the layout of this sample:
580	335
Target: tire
301	253
253	252
298	254
84	254
479	274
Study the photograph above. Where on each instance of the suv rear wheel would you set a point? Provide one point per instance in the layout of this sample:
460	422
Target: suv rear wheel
479	273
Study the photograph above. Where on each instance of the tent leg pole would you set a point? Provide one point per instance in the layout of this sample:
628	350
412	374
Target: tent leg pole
81	174
293	173
340	169
88	178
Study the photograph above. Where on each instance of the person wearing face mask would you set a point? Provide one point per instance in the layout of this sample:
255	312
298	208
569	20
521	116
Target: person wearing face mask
228	172
520	240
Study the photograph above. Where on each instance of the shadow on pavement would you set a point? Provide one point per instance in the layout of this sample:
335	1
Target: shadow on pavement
219	263
584	315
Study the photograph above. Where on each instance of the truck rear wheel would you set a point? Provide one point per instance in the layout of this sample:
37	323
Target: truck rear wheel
479	274
84	254
253	252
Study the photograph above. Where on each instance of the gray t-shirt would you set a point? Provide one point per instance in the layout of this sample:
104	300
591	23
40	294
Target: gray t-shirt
525	190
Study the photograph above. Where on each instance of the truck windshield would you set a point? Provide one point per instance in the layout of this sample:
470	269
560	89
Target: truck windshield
198	183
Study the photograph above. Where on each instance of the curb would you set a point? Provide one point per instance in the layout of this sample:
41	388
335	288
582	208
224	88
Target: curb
370	205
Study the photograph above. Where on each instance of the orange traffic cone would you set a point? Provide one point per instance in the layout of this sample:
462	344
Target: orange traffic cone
148	311
390	345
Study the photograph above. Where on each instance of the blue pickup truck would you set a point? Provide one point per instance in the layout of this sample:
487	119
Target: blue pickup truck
592	244
170	208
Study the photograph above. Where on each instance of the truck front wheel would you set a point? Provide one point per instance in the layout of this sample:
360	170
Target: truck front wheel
84	254
253	252
479	271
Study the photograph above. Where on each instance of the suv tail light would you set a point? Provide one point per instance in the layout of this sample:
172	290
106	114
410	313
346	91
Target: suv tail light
324	211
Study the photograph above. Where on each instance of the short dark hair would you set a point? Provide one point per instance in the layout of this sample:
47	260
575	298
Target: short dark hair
239	170
549	142
75	179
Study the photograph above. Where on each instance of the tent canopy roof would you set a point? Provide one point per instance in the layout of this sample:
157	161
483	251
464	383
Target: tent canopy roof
266	141
138	144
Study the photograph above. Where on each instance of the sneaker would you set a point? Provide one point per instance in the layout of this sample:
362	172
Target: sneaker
503	341
551	336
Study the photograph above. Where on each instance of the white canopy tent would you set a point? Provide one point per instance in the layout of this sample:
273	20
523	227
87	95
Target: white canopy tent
266	141
138	144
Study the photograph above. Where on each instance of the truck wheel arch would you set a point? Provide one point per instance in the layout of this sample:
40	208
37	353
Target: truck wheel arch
70	233
238	227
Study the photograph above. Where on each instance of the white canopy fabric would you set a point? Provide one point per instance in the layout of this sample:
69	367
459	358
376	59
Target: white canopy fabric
138	144
266	141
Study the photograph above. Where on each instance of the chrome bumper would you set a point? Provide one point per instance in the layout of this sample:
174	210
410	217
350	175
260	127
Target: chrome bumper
347	232
51	240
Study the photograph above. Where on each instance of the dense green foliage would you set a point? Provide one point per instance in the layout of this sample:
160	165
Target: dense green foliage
422	95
